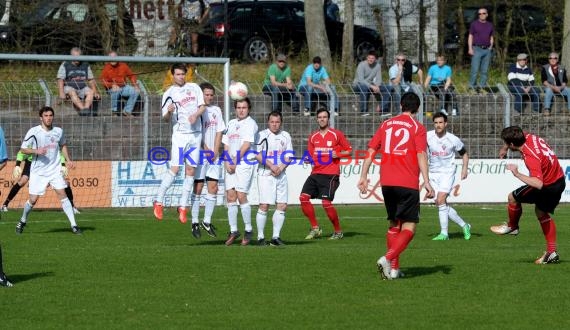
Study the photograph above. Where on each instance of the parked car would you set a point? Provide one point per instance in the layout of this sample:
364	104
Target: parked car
55	26
255	29
528	32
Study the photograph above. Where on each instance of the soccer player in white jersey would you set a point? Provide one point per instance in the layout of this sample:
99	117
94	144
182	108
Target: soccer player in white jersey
442	147
271	177
45	142
209	168
183	104
239	141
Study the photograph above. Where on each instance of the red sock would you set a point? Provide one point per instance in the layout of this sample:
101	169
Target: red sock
401	243
515	212
391	237
331	213
308	209
549	231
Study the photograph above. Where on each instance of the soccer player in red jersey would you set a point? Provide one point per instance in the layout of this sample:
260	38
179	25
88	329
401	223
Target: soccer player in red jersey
325	146
402	143
543	186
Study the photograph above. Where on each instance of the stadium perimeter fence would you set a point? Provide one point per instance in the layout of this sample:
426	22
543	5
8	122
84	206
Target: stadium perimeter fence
106	138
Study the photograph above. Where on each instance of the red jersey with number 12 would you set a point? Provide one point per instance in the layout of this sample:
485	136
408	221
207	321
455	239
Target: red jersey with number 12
320	147
540	160
399	141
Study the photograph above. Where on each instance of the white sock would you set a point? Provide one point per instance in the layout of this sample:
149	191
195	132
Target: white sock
187	187
209	204
68	209
454	216
195	202
278	220
164	185
232	216
27	209
246	216
443	218
260	220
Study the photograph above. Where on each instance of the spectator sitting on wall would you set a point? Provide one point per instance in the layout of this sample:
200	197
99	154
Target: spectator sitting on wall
75	81
114	77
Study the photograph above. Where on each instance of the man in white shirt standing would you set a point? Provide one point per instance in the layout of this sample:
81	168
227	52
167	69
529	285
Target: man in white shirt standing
44	143
239	142
271	177
209	168
442	147
183	104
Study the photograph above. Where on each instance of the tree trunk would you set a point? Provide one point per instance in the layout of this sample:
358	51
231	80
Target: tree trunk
103	24
348	41
317	40
566	37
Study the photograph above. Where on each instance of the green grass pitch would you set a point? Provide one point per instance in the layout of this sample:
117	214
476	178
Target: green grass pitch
129	271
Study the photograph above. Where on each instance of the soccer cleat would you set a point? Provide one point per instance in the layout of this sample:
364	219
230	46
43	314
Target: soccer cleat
232	236
76	230
504	229
4	208
336	236
209	228
196	230
384	268
440	237
314	233
157	209
396	273
4	281
261	242
467	231
276	241
246	238
20	227
548	258
182	215
76	211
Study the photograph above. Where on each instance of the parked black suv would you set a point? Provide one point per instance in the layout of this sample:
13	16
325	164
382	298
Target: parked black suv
55	26
528	32
255	29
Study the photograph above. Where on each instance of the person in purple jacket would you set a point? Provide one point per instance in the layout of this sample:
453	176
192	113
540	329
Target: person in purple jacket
480	42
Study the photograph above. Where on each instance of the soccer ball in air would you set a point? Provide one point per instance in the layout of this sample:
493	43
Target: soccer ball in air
237	91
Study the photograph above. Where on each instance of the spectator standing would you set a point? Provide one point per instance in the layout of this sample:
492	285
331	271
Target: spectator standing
114	77
480	44
272	156
191	15
401	76
213	126
316	81
325	146
554	78
75	81
438	81
521	82
368	81
239	141
4	281
278	83
332	12
543	186
402	143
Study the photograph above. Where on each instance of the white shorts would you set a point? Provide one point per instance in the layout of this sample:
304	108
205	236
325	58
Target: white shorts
272	189
212	171
80	92
39	183
241	179
181	144
442	182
